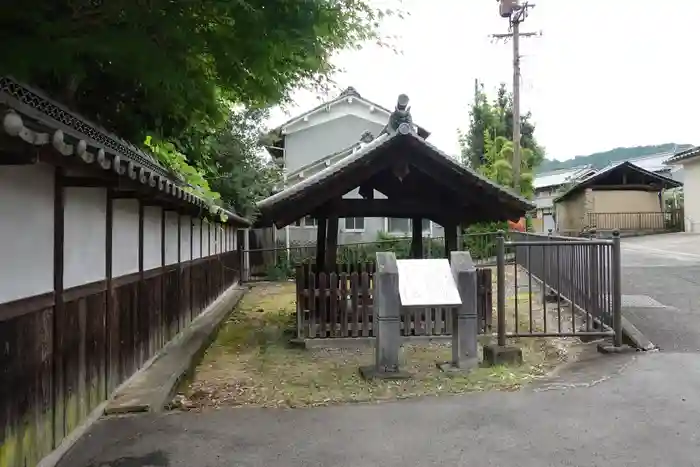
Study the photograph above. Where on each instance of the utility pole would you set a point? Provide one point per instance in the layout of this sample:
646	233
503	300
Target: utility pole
516	14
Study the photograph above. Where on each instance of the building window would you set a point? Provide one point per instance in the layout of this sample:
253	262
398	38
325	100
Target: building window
403	226
354	224
397	225
307	221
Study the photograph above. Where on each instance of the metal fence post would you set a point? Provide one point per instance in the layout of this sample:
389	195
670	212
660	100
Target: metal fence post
617	288
500	284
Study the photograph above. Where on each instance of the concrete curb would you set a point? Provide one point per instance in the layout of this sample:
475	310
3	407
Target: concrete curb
634	337
152	388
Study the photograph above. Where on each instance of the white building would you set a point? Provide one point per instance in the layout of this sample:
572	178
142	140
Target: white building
689	160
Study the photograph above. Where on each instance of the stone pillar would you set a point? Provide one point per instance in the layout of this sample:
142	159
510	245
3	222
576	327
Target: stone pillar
387	321
464	317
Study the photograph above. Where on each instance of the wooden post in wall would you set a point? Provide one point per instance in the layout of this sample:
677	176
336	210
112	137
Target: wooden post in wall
321	244
332	243
162	324
59	202
142	331
417	238
450	239
111	341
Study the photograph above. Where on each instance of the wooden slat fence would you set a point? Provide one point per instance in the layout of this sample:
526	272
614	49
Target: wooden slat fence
59	361
340	304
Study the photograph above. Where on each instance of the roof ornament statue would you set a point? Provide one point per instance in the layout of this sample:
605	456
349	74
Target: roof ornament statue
350	92
400	119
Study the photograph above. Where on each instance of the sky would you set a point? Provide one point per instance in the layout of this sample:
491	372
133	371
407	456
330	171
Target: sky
603	74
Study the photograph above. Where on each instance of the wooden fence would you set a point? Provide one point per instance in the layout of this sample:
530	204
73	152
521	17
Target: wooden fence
340	304
670	221
63	359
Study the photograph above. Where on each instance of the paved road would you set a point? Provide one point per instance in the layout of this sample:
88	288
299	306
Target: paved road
665	269
645	414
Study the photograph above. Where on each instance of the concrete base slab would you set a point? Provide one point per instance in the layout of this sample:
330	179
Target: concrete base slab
495	355
371	372
607	348
465	366
151	389
363	342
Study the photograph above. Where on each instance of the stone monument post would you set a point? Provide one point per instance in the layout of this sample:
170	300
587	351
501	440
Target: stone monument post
387	320
464	317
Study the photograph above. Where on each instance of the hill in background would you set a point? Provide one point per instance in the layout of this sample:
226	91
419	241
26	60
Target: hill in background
600	159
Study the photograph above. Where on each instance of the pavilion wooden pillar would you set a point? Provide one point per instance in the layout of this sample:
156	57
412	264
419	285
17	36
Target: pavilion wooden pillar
332	243
417	238
450	239
321	244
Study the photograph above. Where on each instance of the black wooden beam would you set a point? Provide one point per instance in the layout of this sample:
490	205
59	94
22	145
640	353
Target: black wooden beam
127	195
417	238
450	239
331	242
14	151
356	207
367	191
110	371
59	203
321	243
89	182
421	188
491	199
631	187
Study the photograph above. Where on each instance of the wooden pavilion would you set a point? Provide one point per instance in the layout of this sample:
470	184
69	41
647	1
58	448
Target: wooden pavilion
418	181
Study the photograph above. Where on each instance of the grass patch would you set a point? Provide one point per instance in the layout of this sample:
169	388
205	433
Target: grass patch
251	364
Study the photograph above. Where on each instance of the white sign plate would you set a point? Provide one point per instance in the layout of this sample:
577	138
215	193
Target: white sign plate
427	282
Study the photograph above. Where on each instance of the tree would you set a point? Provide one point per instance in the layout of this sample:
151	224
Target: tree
481	117
240	171
496	118
172	69
498	164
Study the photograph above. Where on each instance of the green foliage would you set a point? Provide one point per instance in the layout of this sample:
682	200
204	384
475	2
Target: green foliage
479	240
280	271
601	159
176	162
497	164
238	167
491	120
172	70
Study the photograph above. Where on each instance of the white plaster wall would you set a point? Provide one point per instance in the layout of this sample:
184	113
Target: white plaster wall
125	237
218	238
691	195
85	231
229	238
171	237
206	243
196	245
152	237
26	230
185	229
